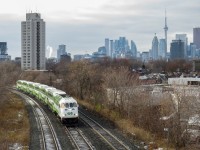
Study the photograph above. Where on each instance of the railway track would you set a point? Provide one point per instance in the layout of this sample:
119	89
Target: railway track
109	138
48	140
79	139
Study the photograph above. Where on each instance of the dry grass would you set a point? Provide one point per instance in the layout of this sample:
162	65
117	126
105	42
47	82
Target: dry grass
126	125
14	123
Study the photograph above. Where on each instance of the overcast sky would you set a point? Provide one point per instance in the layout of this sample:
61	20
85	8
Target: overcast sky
82	25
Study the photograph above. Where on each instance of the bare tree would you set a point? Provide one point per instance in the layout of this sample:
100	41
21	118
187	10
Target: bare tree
83	79
120	86
9	73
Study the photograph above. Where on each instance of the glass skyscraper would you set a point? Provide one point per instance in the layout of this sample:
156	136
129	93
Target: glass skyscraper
133	49
162	49
177	49
3	48
61	51
183	37
155	48
196	37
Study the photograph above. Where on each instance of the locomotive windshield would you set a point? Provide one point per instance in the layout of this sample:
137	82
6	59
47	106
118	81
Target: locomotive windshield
68	105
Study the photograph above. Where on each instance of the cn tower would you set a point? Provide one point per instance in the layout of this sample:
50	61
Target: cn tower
166	28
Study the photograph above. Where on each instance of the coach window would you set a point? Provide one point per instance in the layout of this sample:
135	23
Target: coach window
63	95
193	82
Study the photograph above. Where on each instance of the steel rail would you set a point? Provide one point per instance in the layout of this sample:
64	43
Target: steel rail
49	137
107	136
79	139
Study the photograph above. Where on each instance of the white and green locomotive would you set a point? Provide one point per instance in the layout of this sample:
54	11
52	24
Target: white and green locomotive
58	101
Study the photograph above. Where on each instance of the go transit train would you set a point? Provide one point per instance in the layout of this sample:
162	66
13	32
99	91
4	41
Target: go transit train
58	101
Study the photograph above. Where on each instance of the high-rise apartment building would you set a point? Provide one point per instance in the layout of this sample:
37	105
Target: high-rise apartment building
61	51
33	42
177	49
196	37
155	48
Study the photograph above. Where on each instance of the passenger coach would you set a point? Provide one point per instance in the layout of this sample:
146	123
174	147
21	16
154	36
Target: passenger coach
58	101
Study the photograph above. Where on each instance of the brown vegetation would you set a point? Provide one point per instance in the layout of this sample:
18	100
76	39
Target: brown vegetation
110	87
14	128
14	123
9	73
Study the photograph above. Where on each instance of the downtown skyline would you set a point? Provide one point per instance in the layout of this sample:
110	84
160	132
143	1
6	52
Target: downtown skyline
83	26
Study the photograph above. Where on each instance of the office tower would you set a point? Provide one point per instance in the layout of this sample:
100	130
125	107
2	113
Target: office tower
78	57
183	37
3	52
3	48
111	48
127	47
193	49
138	55
133	49
150	54
65	57
177	49
162	49
61	51
155	48
165	29
122	44
102	50
196	37
33	42
116	45
107	46
145	56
